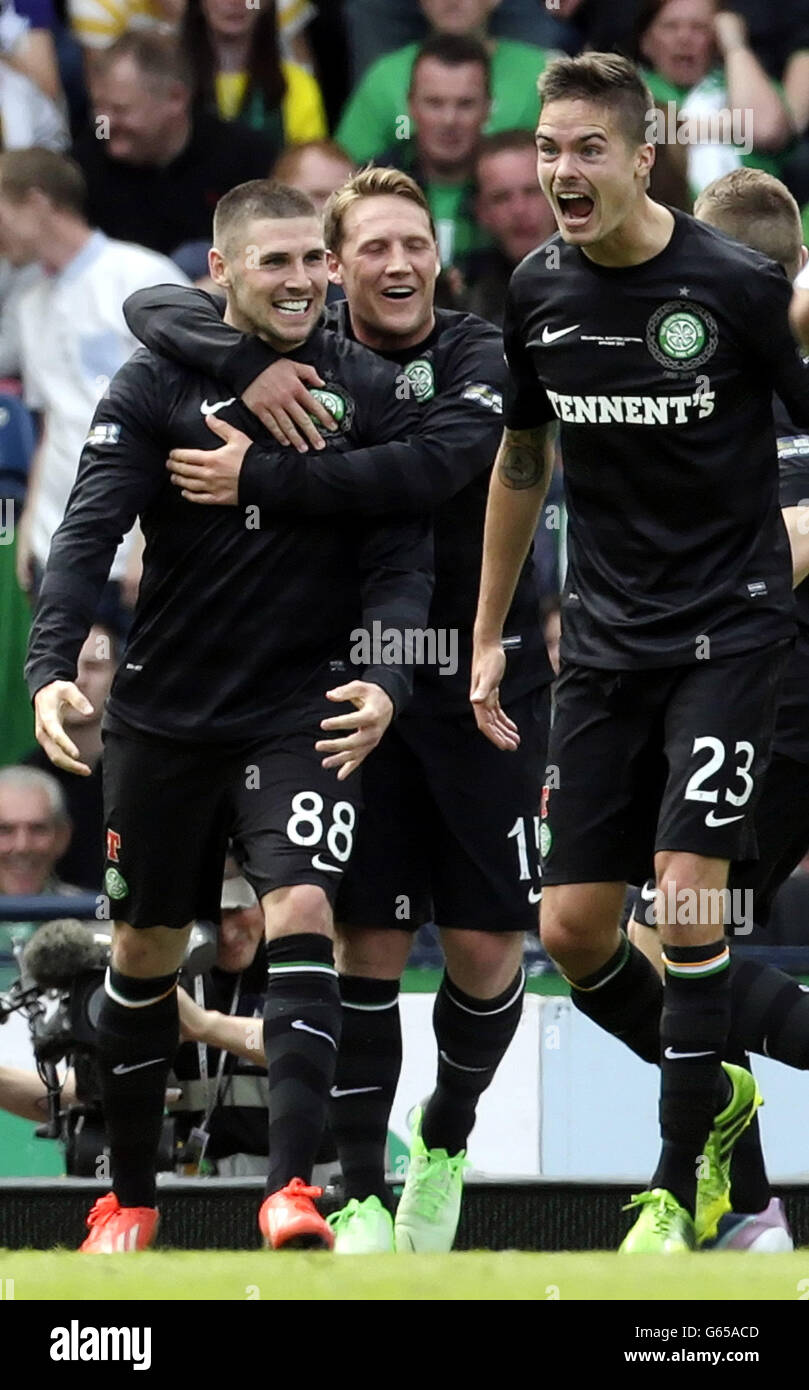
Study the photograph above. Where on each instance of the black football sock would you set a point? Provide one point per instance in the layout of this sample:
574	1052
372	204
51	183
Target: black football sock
749	1185
770	1014
624	997
769	1010
368	1067
693	1035
301	1038
138	1033
472	1037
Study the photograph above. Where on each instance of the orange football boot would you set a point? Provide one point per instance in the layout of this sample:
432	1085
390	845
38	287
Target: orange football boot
115	1229
289	1218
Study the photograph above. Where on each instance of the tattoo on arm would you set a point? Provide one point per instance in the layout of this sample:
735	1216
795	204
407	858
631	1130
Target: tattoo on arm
523	460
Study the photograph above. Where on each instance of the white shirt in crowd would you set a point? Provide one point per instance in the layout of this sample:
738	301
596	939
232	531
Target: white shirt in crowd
72	338
27	116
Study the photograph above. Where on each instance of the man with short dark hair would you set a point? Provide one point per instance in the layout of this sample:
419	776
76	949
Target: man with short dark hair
371	120
640	329
240	645
449	100
754	207
154	166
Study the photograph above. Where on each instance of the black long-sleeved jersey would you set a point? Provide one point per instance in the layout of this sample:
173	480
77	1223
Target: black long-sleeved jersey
236	623
456	376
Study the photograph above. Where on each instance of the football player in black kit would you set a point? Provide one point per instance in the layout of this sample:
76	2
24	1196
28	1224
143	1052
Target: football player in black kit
239	649
450	829
658	343
759	210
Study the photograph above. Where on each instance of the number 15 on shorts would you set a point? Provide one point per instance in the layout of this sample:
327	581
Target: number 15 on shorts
519	832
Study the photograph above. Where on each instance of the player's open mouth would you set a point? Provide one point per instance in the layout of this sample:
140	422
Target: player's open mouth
575	208
399	292
293	307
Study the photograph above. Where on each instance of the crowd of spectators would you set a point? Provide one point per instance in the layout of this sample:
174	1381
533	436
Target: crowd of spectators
122	122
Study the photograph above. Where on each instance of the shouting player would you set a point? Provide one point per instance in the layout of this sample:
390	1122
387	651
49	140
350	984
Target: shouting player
450	830
212	720
658	343
759	210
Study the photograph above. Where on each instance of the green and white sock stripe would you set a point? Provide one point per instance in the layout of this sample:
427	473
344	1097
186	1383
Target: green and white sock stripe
302	967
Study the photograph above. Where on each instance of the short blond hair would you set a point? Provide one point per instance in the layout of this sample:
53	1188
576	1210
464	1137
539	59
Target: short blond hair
369	183
757	209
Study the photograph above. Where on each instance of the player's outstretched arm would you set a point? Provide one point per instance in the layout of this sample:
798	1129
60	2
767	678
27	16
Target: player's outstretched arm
455	440
520	479
120	470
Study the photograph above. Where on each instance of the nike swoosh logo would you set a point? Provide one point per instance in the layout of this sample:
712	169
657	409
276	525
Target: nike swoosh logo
206	409
318	863
355	1091
534	896
713	819
549	336
304	1028
121	1070
673	1056
647	892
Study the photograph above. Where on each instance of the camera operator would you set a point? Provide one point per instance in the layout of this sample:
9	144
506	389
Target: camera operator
221	1112
217	1093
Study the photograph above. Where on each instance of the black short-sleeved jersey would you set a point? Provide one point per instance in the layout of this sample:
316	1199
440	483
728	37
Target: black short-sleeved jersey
236	621
662	376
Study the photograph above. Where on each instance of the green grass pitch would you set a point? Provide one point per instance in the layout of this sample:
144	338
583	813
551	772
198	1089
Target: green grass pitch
240	1275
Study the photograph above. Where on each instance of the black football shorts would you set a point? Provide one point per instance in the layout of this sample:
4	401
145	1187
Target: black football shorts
450	831
781	822
171	807
645	761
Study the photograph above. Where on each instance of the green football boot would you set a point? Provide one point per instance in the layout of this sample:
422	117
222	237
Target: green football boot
362	1228
662	1228
713	1174
430	1205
